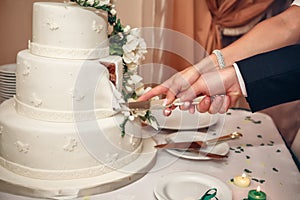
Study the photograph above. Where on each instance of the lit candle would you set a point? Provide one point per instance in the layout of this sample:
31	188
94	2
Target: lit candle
257	194
242	181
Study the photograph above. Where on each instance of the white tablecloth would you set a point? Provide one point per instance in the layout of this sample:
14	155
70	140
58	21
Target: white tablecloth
264	155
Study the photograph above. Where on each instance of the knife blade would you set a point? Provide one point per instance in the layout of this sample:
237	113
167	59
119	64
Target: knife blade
199	144
158	104
199	151
182	145
207	154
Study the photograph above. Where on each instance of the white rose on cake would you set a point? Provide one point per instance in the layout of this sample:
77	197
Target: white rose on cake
92	2
104	2
134	49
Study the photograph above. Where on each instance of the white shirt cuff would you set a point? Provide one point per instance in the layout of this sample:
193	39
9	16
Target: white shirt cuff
240	79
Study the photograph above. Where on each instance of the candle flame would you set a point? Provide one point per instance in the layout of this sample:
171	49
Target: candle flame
244	175
258	189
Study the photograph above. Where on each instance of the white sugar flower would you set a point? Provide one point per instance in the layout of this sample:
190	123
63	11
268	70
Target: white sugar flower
137	113
128	88
90	2
147	89
104	2
134	49
113	11
131	117
127	28
136	78
140	91
130	82
132	67
135	32
131	44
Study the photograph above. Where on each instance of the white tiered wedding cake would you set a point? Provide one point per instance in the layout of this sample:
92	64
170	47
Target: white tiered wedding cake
60	135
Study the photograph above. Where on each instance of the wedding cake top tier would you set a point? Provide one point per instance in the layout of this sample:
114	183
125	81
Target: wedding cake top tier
64	30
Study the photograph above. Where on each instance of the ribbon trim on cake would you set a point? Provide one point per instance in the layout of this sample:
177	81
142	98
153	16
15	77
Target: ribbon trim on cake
68	53
64	174
61	116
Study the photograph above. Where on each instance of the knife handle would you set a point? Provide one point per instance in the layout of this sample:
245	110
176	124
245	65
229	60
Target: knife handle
177	102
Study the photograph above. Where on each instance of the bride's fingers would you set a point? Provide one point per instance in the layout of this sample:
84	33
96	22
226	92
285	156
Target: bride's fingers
216	104
160	89
204	104
233	100
225	105
193	91
185	106
168	111
170	97
192	109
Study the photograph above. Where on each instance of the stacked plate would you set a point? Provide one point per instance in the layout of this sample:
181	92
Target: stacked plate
7	81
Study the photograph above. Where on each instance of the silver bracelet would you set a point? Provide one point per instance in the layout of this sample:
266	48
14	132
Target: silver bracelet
220	58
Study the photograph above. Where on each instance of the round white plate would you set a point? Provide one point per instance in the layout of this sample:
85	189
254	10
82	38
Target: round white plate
7	83
183	120
189	186
8	78
189	136
7	87
7	93
7	75
8	68
6	96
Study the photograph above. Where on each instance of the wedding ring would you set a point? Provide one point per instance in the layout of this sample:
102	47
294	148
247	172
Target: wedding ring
217	95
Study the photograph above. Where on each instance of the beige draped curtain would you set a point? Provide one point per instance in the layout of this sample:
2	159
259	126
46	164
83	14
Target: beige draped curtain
206	21
203	21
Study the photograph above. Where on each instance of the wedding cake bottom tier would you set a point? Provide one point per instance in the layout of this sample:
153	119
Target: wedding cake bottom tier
69	189
65	151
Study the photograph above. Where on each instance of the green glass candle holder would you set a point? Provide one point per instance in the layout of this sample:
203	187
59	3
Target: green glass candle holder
256	195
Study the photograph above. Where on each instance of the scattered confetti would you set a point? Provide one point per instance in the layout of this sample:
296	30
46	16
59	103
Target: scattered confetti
248	118
255	179
275	170
258	180
262	181
247	171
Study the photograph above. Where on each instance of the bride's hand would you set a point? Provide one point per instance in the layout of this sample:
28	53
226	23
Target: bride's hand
173	86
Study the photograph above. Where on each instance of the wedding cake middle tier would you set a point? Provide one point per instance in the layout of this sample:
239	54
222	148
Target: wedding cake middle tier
64	90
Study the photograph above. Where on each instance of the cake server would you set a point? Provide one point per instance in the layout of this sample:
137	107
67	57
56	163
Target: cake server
157	104
207	154
192	145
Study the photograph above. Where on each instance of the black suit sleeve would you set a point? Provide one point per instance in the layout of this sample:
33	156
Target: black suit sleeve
272	78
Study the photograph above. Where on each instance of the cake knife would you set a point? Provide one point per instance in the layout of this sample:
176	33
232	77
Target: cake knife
199	144
157	104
